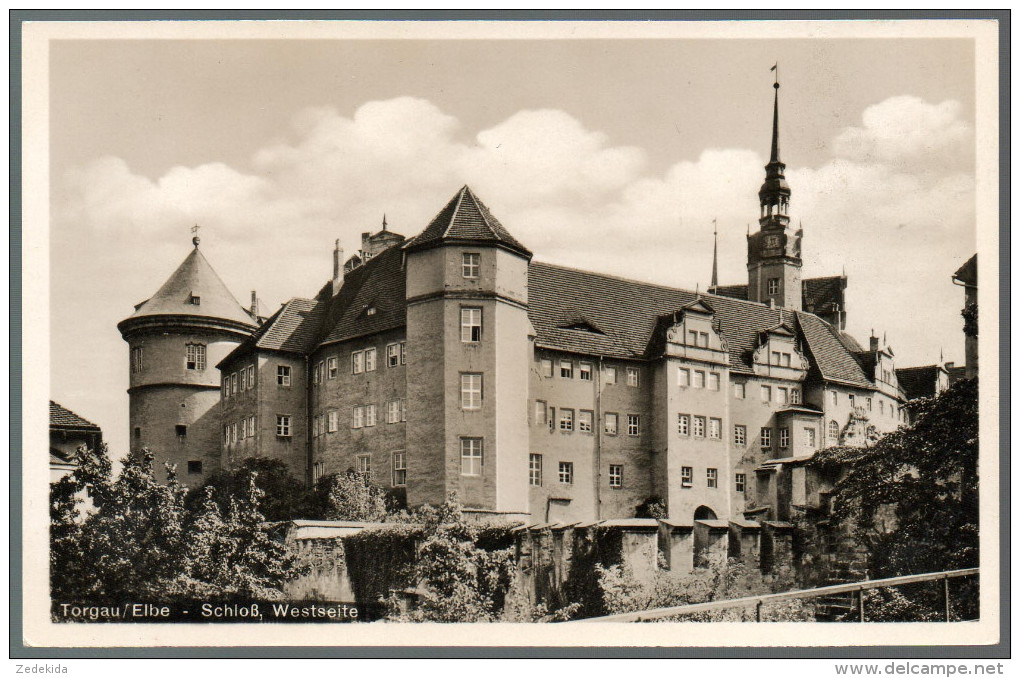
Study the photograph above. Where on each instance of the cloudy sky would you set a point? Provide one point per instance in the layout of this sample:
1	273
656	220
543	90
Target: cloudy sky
609	155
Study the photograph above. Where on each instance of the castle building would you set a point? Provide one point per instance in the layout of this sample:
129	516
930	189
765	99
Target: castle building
454	362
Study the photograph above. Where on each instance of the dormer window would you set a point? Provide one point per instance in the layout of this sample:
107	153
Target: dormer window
195	300
370	310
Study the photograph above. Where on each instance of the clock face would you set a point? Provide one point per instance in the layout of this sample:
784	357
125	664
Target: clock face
772	241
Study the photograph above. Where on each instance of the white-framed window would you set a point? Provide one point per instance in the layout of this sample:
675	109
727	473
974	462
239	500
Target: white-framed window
612	423
226	434
692	337
699	426
712	477
795	396
784	437
766	393
739	482
470	264
775	358
713	381
783	394
399	469
566	419
137	363
403	353
317	374
584	371
699	379
233	432
773	286
283	425
547	367
244	428
703	339
251	376
686	476
584	421
403	409
470	325
357	362
809	438
392	355
283	375
739	435
833	430
566	369
194	358
610	373
315	426
540	413
333	421
633	376
251	425
535	470
683	424
226	386
369	415
850	399
318	470
766	437
233	383
471	456
566	472
616	475
364	464
331	367
868	403
393	412
715	428
370	360
786	359
683	377
740	390
633	424
358	417
471	391
835	398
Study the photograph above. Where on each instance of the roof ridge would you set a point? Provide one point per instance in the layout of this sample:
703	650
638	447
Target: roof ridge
456	209
658	286
484	212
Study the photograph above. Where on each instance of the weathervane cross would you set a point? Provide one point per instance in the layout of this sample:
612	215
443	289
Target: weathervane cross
194	230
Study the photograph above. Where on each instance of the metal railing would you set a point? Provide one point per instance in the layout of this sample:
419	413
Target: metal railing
758	601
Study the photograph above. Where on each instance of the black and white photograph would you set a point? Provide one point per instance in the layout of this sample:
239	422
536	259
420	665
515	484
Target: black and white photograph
551	331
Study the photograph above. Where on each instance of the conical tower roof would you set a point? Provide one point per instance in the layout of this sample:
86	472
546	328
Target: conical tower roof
194	290
466	219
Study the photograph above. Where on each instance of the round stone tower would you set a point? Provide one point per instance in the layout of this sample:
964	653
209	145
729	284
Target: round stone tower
176	338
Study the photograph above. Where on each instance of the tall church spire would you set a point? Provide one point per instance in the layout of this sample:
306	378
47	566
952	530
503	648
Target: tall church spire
715	257
774	158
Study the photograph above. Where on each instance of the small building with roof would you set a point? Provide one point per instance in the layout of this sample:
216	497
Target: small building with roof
68	432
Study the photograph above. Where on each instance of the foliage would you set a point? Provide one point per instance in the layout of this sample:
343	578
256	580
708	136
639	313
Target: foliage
623	592
652	507
284	496
142	543
970	319
911	500
596	546
350	496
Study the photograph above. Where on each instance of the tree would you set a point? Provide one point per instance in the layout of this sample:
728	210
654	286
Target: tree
911	499
350	496
284	496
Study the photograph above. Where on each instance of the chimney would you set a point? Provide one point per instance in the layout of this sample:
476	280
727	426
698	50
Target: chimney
254	304
338	277
874	343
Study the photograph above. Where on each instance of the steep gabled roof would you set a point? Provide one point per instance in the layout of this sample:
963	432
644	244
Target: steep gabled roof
918	382
194	278
292	329
967	274
63	418
372	299
833	352
466	219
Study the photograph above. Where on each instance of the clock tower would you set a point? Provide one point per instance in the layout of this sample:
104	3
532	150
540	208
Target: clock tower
773	253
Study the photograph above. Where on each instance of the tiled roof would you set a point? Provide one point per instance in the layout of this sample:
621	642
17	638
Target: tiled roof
194	278
832	351
819	295
292	329
64	418
823	295
968	272
918	382
466	218
372	299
